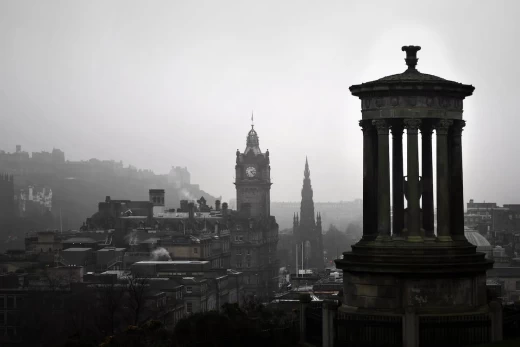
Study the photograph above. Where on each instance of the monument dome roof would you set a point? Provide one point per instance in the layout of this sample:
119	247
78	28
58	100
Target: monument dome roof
411	78
478	240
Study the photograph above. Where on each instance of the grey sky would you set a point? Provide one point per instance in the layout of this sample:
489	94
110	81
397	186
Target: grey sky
162	83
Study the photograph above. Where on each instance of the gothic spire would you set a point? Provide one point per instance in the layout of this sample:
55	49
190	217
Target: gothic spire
307	205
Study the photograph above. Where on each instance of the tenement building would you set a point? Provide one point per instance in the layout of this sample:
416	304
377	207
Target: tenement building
404	284
307	229
254	232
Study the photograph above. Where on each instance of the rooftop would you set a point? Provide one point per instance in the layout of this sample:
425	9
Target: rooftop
411	77
478	240
110	249
173	262
80	240
77	249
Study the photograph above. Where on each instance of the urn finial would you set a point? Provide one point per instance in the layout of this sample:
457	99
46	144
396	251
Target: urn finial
411	56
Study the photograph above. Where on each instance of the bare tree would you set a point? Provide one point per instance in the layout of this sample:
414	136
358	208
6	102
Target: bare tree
110	298
136	288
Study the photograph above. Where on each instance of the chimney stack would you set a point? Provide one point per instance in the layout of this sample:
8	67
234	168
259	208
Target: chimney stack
224	209
191	210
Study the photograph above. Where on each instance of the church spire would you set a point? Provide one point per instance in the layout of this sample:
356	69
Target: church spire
307	172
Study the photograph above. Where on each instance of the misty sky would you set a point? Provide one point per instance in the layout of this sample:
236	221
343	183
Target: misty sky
162	83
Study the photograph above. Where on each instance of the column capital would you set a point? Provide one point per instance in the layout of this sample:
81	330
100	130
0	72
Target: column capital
366	126
381	126
457	127
412	125
442	126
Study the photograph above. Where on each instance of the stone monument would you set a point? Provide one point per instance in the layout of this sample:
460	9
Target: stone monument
405	283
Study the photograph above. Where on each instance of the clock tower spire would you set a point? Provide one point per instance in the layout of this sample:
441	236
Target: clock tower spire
253	178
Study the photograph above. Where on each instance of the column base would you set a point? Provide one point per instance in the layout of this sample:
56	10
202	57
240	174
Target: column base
383	237
444	238
415	238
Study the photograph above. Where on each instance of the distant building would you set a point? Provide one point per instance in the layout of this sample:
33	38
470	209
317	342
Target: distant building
33	200
7	205
254	231
307	228
179	177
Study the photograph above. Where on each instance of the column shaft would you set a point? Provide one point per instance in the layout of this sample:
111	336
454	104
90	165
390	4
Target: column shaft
456	181
413	185
427	181
383	180
397	179
443	192
369	181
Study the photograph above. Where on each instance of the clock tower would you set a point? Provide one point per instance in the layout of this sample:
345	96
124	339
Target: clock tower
253	178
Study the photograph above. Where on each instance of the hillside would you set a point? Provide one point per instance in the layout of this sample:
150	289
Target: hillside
78	187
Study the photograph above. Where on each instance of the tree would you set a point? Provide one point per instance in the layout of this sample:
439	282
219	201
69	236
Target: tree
110	298
136	289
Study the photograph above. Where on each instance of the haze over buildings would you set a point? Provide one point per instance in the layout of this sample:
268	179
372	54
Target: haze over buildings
173	83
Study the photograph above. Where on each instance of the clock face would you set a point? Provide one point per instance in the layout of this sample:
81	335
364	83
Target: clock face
250	171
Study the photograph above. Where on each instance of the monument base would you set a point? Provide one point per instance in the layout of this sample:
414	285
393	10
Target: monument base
400	293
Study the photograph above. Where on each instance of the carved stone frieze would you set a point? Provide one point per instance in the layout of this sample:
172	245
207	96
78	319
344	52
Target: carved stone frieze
435	102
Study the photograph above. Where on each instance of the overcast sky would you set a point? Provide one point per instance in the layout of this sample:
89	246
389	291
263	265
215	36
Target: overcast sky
162	83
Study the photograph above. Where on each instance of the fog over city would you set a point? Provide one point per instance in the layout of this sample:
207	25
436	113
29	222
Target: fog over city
162	83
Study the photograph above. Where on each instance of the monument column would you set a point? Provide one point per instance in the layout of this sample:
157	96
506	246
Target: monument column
369	180
427	180
456	181
397	178
413	185
443	191
383	180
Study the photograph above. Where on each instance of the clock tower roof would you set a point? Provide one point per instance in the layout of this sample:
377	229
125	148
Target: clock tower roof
252	143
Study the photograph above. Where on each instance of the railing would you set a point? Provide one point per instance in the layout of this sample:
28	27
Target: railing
287	335
114	262
464	330
60	260
368	330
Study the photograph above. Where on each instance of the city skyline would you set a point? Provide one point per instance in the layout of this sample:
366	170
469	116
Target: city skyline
131	85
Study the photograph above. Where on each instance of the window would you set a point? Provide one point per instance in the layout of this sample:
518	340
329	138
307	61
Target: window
246	279
189	290
2	301
517	285
236	238
195	250
239	264
189	307
248	264
239	251
248	252
240	238
2	318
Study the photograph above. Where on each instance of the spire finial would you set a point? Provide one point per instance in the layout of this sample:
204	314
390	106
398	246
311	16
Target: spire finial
411	56
252	121
307	171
